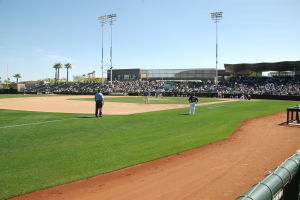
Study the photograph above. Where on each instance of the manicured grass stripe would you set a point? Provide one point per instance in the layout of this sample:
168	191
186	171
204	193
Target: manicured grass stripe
23	96
2	96
14	117
39	156
36	123
153	100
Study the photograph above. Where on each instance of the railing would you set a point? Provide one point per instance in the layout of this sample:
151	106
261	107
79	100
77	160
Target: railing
280	184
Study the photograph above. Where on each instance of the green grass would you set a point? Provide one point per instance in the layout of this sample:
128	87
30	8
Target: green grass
39	156
22	96
153	100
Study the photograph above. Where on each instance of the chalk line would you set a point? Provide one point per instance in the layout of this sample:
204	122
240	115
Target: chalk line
36	123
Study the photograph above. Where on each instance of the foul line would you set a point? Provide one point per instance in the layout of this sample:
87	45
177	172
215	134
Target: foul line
36	123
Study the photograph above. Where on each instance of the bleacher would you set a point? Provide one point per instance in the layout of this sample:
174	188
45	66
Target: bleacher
280	86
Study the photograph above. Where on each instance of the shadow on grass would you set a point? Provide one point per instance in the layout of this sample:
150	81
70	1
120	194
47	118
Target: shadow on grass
183	114
85	117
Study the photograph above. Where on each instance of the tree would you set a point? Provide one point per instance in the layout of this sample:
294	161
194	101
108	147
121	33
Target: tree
7	81
47	80
17	76
55	77
78	78
68	66
88	75
57	66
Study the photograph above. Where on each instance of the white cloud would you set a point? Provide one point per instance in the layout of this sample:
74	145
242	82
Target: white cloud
58	58
53	57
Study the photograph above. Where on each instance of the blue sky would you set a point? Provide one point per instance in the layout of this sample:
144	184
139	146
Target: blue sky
36	34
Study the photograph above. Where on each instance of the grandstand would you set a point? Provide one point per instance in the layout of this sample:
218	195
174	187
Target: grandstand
233	87
235	81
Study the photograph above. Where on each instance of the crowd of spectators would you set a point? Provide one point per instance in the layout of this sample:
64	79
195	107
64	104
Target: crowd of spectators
262	86
234	86
87	88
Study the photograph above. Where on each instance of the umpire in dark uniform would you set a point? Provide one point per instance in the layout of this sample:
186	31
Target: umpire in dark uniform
99	103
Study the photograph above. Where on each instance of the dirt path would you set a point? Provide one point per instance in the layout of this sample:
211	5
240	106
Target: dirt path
220	171
62	104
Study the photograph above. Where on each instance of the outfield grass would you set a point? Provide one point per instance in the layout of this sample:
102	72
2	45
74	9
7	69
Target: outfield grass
38	156
22	96
153	100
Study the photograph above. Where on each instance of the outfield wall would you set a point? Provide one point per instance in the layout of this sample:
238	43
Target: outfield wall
8	91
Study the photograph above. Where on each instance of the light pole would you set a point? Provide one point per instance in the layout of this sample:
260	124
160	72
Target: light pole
216	17
104	19
112	18
103	22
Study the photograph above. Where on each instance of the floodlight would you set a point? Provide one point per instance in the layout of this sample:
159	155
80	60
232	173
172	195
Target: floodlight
216	17
104	19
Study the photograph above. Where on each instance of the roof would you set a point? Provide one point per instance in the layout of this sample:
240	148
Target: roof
260	67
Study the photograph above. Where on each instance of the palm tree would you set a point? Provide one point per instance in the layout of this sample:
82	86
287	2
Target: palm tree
17	76
57	66
68	66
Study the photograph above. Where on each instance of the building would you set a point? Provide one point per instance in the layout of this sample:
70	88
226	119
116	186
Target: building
166	74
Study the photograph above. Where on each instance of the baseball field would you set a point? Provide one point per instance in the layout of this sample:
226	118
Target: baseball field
154	151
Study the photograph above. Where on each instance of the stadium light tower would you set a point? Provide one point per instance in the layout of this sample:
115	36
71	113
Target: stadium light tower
216	17
103	20
112	18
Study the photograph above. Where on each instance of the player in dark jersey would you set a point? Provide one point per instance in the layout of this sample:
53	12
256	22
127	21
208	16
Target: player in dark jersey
193	100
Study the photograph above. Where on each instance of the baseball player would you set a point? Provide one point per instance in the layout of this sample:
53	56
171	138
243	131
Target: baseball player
99	103
146	96
193	100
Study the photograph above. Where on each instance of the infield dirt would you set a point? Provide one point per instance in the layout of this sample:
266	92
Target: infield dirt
61	104
219	171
